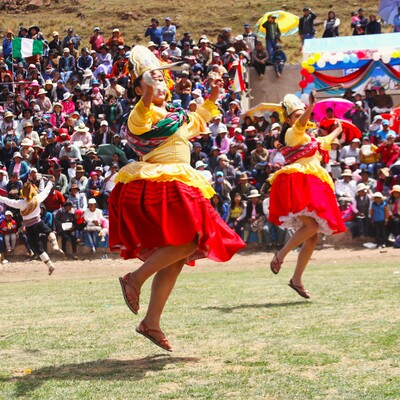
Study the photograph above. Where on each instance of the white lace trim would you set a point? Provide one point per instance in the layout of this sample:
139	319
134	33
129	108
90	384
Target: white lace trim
292	221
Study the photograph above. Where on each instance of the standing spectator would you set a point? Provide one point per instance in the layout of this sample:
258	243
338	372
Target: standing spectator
379	218
331	25
272	34
75	40
360	26
255	218
361	207
64	221
374	26
116	39
56	43
9	230
168	31
154	31
250	38
96	40
396	21
358	116
7	44
306	24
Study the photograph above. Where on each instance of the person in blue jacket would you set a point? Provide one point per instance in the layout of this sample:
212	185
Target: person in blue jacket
19	166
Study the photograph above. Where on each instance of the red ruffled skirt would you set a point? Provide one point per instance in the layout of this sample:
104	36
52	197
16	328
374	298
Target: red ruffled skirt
297	194
145	215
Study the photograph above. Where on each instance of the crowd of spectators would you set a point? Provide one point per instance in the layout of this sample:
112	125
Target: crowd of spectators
62	114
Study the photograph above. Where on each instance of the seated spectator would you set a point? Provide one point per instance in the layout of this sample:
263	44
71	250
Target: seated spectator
54	201
346	187
60	180
197	154
201	168
64	221
383	102
382	133
279	59
19	167
388	150
222	141
368	155
227	169
220	206
366	179
109	184
216	125
94	187
350	154
259	155
243	187
374	128
235	157
260	58
237	213
222	187
81	136
77	198
80	179
93	217
255	218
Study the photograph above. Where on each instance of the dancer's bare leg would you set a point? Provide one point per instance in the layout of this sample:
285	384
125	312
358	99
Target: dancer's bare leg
161	288
160	259
308	229
303	259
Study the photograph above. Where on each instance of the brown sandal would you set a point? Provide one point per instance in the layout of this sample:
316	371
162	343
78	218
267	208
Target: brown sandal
301	290
148	333
275	264
131	302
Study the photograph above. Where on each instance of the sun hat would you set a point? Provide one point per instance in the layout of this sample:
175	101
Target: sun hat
345	199
42	91
391	135
347	172
238	130
378	195
275	125
92	201
8	114
355	140
361	187
244	177
218	116
104	123
335	141
250	129
79	168
27	142
115	30
377	118
8	212
17	154
88	73
385	171
222	157
200	164
28	124
395	188
206	132
66	96
81	128
34	83
253	194
197	92
222	130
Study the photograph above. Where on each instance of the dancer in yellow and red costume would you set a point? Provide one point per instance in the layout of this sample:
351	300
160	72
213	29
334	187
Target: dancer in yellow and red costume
160	210
302	193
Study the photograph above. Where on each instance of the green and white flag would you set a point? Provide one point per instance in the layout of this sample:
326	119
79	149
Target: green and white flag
22	47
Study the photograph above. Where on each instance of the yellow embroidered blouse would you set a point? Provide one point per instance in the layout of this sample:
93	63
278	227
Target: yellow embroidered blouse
295	136
171	160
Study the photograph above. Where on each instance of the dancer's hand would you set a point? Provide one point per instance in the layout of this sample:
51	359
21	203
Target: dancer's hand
338	125
312	99
215	86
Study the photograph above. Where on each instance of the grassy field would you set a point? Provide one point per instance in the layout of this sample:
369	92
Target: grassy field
207	17
238	332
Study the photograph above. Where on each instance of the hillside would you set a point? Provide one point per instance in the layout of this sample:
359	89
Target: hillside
132	17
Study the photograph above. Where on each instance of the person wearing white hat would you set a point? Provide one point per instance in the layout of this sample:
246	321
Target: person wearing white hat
350	154
44	102
255	218
346	186
161	203
379	214
82	136
216	125
302	192
9	231
8	123
361	207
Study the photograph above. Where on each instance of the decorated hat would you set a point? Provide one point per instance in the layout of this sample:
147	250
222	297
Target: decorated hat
253	194
292	103
142	60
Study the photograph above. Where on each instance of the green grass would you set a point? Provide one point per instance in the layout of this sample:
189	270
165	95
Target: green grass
238	332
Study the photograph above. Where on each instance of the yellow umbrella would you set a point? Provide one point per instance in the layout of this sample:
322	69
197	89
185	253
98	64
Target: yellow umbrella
266	109
288	23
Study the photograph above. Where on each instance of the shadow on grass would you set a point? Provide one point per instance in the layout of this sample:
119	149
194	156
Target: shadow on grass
264	305
116	370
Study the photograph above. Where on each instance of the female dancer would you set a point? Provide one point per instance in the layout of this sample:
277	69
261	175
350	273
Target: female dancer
302	193
30	211
160	210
